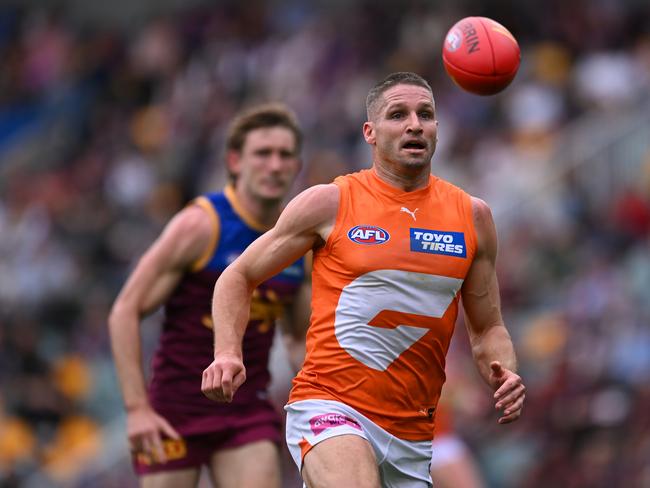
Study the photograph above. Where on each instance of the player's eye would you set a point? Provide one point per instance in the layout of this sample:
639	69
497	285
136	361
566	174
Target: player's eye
426	115
396	115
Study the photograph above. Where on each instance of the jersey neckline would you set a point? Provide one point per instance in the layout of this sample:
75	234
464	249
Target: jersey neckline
394	192
245	215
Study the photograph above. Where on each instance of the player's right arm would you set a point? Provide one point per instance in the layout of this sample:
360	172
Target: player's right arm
156	275
304	224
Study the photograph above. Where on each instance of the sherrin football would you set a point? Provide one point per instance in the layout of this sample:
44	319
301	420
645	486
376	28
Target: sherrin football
480	55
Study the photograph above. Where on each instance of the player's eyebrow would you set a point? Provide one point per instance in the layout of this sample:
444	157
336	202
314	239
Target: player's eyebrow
265	150
393	105
427	106
400	105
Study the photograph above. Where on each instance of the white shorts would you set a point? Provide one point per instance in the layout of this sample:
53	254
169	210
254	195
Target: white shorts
401	464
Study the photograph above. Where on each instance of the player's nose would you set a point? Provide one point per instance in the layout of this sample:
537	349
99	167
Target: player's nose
414	124
275	161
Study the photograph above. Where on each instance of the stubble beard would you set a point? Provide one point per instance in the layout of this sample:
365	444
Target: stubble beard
257	193
415	162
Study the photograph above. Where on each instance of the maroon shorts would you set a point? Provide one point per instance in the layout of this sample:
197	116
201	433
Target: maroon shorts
193	451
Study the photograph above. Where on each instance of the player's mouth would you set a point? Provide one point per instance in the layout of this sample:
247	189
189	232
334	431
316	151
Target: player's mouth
415	146
274	185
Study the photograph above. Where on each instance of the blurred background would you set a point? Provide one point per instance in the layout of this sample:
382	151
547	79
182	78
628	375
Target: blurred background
112	116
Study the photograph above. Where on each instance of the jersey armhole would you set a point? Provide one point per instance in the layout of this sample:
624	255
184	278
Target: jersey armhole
340	214
204	259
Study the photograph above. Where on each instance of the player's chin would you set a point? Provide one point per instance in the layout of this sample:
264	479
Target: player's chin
415	161
416	156
273	192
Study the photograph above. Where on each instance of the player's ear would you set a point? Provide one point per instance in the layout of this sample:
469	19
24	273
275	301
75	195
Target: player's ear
233	161
369	132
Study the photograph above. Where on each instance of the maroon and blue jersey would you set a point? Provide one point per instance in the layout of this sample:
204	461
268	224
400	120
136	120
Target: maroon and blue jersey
186	342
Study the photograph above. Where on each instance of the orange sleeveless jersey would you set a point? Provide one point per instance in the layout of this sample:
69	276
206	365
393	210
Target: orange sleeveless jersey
444	423
385	299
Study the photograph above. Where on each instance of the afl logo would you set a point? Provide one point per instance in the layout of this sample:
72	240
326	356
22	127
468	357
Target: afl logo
368	234
453	40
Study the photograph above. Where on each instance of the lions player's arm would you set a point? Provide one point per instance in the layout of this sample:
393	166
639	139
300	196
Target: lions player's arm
296	320
183	241
491	344
305	224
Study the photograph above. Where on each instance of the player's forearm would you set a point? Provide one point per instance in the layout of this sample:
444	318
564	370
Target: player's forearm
230	312
125	343
494	344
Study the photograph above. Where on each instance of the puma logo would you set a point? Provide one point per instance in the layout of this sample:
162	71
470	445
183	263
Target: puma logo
412	214
427	411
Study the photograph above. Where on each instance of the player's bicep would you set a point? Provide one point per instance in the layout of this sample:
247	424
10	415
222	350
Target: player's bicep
271	253
152	282
162	266
480	294
303	225
480	291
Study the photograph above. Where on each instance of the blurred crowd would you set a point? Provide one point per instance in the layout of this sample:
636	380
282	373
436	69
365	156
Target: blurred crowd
106	132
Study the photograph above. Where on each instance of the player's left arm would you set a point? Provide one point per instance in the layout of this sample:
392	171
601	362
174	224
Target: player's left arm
492	347
296	321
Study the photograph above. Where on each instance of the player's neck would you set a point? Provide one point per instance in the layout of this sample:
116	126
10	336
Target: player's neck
263	211
405	179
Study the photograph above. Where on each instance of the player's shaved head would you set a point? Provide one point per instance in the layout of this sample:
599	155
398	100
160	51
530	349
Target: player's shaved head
375	99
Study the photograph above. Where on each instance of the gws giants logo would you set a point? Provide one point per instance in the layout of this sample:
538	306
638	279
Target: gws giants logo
368	234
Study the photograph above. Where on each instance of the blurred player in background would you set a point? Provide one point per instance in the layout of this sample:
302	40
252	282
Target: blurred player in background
394	250
172	428
452	463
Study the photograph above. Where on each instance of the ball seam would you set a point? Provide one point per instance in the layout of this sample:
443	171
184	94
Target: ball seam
487	36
